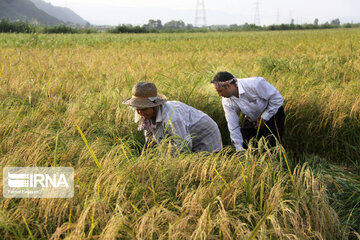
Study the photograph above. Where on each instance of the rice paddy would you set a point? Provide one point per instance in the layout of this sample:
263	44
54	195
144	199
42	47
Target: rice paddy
60	105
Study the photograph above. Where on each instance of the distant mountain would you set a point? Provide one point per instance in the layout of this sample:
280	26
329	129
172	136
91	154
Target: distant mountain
25	10
64	14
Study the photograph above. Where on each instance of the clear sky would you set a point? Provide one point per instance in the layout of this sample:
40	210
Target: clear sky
138	12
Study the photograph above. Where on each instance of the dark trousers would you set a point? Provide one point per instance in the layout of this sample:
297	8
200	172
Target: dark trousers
273	130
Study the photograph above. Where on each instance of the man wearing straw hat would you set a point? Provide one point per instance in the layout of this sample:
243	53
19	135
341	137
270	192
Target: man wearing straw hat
258	100
189	128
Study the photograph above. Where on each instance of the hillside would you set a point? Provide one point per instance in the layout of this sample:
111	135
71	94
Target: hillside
25	10
62	13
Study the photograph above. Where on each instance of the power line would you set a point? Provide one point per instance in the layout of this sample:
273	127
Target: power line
200	17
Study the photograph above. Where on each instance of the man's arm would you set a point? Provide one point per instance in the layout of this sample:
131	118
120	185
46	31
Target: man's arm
232	119
268	92
179	135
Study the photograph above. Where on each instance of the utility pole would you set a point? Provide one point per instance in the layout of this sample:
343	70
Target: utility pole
200	17
278	17
257	14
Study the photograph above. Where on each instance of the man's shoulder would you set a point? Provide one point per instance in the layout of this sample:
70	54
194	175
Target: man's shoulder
251	80
251	83
171	109
174	104
181	110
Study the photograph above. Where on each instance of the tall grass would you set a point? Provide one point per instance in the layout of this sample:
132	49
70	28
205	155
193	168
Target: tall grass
49	83
188	196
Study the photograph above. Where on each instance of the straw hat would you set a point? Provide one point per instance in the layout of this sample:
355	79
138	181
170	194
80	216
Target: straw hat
144	95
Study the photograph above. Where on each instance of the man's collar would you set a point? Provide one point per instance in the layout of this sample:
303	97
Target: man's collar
159	117
240	87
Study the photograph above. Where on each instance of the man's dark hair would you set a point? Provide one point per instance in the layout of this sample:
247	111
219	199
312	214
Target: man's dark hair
222	77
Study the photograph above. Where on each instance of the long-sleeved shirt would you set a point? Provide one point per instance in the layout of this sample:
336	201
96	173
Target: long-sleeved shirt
191	129
257	98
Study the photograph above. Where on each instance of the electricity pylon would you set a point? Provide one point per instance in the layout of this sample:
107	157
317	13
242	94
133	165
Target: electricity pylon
200	17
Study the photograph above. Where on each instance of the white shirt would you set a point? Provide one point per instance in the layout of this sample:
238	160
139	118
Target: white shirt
257	98
191	128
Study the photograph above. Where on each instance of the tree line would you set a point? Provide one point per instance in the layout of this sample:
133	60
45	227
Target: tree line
156	26
180	26
7	26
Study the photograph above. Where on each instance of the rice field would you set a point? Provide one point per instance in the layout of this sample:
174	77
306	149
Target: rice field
60	105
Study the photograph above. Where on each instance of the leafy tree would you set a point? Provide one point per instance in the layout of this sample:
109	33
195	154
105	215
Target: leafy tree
316	22
154	24
175	25
128	29
335	22
16	27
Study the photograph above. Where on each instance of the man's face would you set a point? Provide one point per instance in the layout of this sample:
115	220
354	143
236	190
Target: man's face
147	113
224	91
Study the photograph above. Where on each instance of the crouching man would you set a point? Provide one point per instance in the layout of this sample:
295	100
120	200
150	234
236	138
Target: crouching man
189	128
258	100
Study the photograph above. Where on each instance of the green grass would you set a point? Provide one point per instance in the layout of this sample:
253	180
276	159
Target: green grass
60	105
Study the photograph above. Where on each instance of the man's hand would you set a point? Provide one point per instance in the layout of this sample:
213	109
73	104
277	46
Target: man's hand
260	122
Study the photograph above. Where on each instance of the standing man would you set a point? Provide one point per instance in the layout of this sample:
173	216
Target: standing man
258	100
190	129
